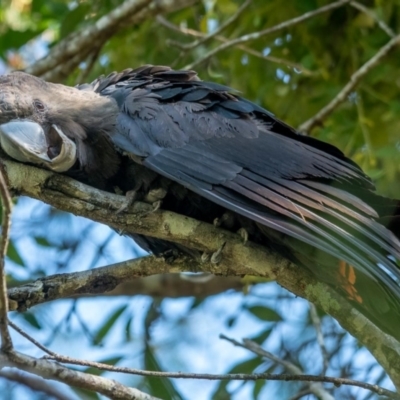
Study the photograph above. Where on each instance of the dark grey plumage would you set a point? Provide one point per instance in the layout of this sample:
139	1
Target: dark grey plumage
211	150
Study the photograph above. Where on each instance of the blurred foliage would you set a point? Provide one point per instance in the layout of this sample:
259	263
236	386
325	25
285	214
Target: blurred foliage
327	50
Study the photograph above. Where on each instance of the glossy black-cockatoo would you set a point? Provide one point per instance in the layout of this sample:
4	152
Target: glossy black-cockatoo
210	154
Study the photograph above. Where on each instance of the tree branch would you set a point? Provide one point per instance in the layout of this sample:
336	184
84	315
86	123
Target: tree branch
256	35
65	56
50	370
317	119
296	373
386	28
6	342
35	384
238	259
119	280
314	388
224	25
191	32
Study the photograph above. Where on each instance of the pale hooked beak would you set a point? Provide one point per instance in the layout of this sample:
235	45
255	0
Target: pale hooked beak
26	141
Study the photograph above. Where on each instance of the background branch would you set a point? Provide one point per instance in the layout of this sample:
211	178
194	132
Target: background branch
163	280
317	119
50	370
36	384
65	56
238	259
256	35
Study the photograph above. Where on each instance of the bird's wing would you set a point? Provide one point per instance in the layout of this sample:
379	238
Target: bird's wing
241	157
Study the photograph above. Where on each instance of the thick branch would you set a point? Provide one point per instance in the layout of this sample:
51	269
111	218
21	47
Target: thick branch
238	259
66	55
119	279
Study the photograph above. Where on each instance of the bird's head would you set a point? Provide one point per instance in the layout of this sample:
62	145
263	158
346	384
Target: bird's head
53	125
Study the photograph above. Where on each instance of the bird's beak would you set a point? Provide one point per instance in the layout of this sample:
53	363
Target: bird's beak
26	141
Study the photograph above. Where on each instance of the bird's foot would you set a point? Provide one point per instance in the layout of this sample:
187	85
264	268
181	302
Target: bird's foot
155	195
130	198
227	221
243	234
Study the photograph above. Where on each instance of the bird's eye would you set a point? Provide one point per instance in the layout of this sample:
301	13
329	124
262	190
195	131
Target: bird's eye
39	106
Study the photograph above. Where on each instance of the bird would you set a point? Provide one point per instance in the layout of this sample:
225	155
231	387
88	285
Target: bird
200	149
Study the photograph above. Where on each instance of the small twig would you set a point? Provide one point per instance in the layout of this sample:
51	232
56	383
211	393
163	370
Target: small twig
6	342
364	127
31	339
256	35
255	53
386	28
354	80
229	21
314	387
93	56
320	337
238	377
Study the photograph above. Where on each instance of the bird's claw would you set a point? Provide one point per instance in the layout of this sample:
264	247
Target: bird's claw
205	257
130	198
227	220
216	257
156	205
243	234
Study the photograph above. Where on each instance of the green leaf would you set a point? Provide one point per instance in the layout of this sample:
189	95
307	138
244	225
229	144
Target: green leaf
244	367
265	313
105	329
128	335
262	337
31	319
13	39
258	386
13	254
42	241
160	387
74	18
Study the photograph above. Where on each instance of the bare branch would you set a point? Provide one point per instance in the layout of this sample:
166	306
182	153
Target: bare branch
386	28
95	281
90	62
256	35
36	384
31	339
50	370
315	387
223	26
320	337
317	390
255	53
6	342
66	55
238	259
121	280
354	80
239	377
